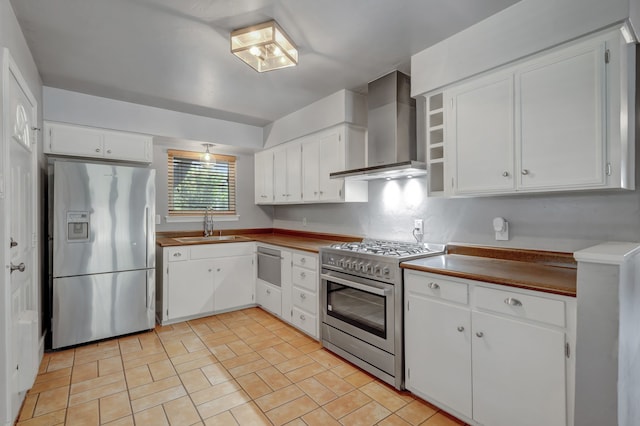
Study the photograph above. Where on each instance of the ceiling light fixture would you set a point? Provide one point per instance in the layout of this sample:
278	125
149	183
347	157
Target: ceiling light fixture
264	47
207	157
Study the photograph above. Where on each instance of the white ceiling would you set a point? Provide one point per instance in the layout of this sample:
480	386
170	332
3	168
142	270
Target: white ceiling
174	54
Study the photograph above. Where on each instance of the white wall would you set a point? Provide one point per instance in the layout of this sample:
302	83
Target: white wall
12	38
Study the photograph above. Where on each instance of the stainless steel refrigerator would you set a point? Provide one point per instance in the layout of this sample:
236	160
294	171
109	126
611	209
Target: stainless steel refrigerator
103	256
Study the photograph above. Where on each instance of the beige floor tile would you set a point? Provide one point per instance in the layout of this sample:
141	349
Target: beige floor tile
190	356
44	363
181	411
319	417
110	365
208	359
86	414
60	360
53	375
442	419
333	382
380	393
152	417
130	344
317	391
309	347
223	419
125	421
297	422
305	372
97	382
224	403
214	392
291	410
416	412
51	400
194	380
250	414
239	347
251	367
367	415
274	378
294	363
138	376
97	392
346	404
393	420
287	350
222	352
344	370
161	370
175	348
254	386
193	343
114	407
279	397
240	360
50	384
359	378
53	418
28	406
144	360
151	388
157	398
82	372
326	358
268	342
273	356
216	373
96	356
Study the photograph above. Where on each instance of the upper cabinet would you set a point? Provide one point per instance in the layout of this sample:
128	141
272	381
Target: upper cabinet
300	169
82	141
560	121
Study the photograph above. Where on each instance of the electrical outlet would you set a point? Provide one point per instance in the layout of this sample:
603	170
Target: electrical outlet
418	226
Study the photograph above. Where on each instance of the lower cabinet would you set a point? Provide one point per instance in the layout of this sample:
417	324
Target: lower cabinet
200	280
269	297
490	354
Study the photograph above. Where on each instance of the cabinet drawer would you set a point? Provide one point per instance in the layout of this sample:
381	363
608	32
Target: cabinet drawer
305	278
305	300
304	321
521	305
178	254
270	298
305	260
440	288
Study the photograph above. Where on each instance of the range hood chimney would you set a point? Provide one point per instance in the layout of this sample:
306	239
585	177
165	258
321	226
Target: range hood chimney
392	147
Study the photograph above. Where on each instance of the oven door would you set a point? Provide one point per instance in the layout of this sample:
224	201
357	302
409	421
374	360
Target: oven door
361	307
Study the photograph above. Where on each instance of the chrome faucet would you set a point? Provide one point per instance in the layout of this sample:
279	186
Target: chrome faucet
208	221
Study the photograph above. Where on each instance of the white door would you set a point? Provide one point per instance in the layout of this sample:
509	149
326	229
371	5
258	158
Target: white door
294	172
190	288
310	171
332	159
20	232
280	175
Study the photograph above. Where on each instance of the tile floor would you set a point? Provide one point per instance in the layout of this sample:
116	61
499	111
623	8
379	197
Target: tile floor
240	368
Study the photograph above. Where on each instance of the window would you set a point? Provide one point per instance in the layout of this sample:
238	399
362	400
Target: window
195	184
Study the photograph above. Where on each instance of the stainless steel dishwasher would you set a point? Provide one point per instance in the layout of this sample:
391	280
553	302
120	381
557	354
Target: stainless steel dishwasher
269	269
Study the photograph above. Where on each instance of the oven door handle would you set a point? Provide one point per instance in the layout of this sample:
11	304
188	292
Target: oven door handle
363	287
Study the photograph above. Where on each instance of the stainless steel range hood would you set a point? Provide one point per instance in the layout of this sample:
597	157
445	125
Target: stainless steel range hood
392	147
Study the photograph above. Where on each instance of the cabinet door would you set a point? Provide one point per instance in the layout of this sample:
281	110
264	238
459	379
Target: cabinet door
562	120
270	298
124	146
482	135
332	159
438	351
75	140
294	172
311	169
280	175
518	373
190	288
233	282
264	177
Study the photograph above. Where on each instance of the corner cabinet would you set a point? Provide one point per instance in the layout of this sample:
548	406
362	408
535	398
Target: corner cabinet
491	354
200	280
298	171
562	120
82	141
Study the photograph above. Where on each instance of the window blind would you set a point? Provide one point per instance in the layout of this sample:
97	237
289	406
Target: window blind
194	184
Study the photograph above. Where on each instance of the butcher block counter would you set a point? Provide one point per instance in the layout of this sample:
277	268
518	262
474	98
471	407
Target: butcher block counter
550	272
298	240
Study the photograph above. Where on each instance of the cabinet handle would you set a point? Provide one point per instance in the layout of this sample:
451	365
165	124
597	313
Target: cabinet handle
315	192
210	270
108	151
303	318
505	174
177	254
525	171
303	260
218	270
268	291
302	274
479	334
460	329
97	149
512	302
321	192
303	296
434	286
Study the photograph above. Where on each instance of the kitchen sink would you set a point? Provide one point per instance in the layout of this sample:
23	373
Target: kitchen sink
211	238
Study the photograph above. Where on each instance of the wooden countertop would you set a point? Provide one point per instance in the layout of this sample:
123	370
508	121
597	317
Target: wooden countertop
541	271
298	240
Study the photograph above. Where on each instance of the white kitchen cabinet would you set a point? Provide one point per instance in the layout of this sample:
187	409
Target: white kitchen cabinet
490	354
559	121
269	297
82	141
264	177
200	280
287	174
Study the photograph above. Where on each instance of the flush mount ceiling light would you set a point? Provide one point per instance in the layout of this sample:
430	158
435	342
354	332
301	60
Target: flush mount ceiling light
207	157
264	47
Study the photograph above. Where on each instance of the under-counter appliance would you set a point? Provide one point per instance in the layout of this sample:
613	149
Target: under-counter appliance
102	254
269	266
362	303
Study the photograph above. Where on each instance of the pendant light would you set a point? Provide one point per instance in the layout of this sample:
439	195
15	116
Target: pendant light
208	157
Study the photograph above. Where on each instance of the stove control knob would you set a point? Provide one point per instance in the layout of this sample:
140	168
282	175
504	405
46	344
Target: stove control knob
377	270
386	271
341	263
367	268
360	266
347	264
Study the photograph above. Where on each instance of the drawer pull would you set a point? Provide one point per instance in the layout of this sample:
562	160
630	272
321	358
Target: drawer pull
512	302
177	254
434	286
460	329
303	318
479	334
268	291
303	260
303	296
302	274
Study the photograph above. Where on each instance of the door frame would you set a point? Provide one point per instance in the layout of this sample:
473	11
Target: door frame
9	67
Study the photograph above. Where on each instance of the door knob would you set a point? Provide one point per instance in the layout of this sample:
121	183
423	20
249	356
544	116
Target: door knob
13	243
19	268
525	172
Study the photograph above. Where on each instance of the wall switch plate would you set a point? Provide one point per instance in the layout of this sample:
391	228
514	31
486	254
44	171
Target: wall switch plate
418	226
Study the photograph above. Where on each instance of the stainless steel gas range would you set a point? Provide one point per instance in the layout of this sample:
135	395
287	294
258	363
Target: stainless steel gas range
361	301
